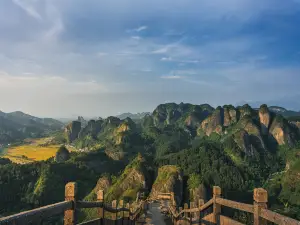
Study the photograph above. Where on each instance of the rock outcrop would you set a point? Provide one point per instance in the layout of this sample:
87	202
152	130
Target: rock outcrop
283	132
230	115
182	114
62	155
213	123
134	179
169	179
4	161
198	193
72	131
265	119
245	110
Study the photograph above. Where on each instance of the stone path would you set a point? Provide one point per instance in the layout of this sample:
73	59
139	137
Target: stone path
155	217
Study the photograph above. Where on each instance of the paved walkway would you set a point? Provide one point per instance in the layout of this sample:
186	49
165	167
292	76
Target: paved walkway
155	217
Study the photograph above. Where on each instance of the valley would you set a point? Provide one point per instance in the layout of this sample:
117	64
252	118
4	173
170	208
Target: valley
182	148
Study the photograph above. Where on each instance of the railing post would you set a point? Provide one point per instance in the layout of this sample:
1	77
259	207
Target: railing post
186	206
121	205
128	214
173	199
192	205
200	204
114	215
100	198
70	195
260	197
216	207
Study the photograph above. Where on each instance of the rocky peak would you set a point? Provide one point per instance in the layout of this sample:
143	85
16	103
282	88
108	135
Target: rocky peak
169	179
214	123
134	179
230	115
245	110
264	118
72	131
282	131
62	154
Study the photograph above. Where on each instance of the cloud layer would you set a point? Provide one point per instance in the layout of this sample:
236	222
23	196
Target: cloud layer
97	58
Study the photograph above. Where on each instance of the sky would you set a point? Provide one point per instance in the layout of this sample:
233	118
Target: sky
64	58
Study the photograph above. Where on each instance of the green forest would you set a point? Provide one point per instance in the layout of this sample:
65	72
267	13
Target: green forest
236	148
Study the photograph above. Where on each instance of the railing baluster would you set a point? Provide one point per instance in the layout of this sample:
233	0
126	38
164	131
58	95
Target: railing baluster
100	198
216	206
200	204
70	195
260	197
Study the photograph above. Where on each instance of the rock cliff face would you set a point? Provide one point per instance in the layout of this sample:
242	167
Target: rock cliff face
198	193
245	110
265	119
230	115
283	132
62	154
181	114
169	179
214	123
92	128
125	127
72	131
134	179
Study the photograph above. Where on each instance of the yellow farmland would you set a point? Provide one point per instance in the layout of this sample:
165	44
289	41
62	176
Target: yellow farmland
31	152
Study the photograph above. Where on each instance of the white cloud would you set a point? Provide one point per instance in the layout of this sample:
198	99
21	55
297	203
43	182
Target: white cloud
28	8
49	85
136	37
139	29
172	77
101	54
169	59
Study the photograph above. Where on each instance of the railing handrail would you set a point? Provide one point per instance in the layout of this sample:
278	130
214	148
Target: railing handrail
260	197
277	218
35	214
69	208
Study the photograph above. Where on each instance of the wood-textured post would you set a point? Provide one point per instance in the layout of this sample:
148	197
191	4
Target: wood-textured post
173	202
114	215
70	195
260	197
186	206
100	198
216	207
192	205
121	205
200	204
127	213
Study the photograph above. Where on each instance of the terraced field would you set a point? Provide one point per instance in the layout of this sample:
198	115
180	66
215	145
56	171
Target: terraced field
33	150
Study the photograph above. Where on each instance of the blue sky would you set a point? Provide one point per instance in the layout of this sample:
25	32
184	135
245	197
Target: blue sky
63	58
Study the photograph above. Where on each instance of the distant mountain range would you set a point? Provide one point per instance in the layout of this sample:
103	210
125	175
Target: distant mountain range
284	112
133	116
17	125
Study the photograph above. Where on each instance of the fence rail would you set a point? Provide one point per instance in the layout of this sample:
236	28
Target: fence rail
196	215
70	207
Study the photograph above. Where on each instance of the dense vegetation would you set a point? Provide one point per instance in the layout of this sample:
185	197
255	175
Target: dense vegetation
17	126
238	149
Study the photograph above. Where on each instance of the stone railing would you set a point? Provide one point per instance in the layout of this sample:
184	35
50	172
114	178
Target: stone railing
198	214
70	207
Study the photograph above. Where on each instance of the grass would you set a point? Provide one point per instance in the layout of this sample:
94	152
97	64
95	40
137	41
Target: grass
31	151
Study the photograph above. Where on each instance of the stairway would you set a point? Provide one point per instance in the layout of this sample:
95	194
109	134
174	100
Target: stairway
154	215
